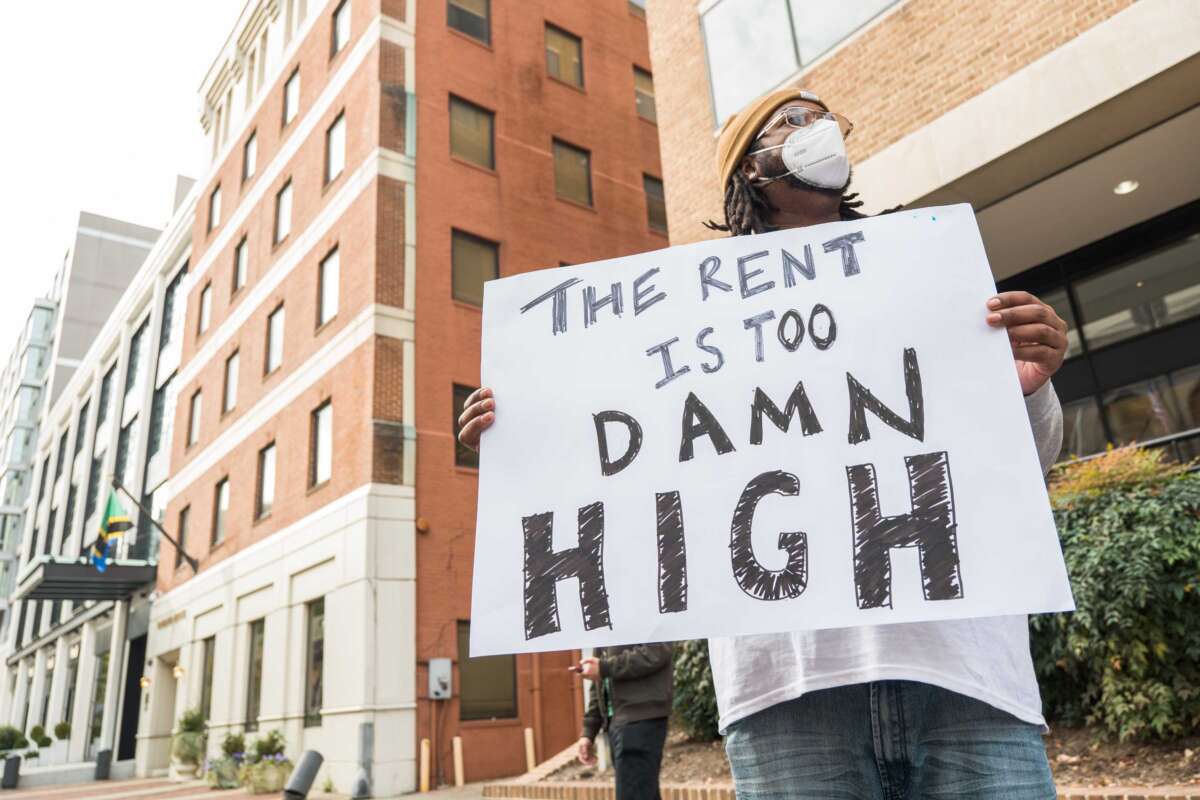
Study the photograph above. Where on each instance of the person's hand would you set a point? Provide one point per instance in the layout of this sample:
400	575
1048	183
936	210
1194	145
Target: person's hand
589	669
587	752
1037	334
479	412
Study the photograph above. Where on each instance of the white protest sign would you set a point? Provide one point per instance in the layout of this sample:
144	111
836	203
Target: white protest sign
810	428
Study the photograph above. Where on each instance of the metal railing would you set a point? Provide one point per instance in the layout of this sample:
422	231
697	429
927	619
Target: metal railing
1182	447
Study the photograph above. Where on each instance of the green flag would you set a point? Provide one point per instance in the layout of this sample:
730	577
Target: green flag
114	522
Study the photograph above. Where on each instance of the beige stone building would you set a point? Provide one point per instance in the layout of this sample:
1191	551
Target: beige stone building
1069	126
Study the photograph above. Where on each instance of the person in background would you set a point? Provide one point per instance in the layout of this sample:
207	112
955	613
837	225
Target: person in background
943	709
632	689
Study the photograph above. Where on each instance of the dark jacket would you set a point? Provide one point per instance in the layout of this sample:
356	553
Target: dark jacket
636	683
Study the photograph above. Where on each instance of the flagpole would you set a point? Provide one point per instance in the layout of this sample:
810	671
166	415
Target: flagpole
146	513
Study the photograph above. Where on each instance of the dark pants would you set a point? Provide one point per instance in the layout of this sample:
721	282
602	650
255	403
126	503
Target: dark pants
637	749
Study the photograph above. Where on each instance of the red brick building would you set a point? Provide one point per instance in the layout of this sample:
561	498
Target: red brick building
374	162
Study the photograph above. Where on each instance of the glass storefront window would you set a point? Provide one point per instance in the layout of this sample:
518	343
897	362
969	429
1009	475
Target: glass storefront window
1160	289
1083	432
750	49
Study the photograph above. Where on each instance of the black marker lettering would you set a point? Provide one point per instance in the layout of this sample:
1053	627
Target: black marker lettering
708	277
672	554
699	421
544	568
558	309
792	265
756	322
607	465
591	305
797	404
862	400
640	304
826	341
744	276
669	370
846	245
790	343
753	578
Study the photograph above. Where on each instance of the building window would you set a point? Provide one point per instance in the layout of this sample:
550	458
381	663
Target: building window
72	683
564	56
137	354
335	148
42	480
472	17
81	428
181	534
291	97
472	133
340	33
255	674
643	94
61	460
638	8
93	492
99	690
274	357
105	395
229	396
158	414
214	208
487	685
170	296
314	671
125	441
205	309
250	155
572	173
220	511
241	261
754	45
209	647
327	287
266	482
463	455
656	203
193	434
473	261
283	212
321	445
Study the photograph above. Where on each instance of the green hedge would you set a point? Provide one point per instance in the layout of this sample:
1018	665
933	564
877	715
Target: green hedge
695	703
1128	659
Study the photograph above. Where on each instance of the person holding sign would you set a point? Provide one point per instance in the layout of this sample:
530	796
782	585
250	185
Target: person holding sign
947	708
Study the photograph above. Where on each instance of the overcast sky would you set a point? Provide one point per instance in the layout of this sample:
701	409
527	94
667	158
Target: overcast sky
101	112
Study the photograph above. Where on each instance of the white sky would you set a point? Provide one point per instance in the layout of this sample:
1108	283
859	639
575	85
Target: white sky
101	112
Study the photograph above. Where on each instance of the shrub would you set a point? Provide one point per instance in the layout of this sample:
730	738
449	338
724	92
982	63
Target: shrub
1128	659
270	745
31	754
189	743
45	741
37	732
62	731
234	746
191	721
11	738
695	702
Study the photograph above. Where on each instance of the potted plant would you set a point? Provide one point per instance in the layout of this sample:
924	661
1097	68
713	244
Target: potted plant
187	749
31	757
267	768
62	731
222	773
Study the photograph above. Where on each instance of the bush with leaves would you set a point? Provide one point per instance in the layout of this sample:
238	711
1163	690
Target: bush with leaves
695	702
266	769
11	739
62	731
189	744
1128	659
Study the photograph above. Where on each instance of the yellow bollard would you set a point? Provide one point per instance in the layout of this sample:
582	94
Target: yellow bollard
458	761
424	765
530	758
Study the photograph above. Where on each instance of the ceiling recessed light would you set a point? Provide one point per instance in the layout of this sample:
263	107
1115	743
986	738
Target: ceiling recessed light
1140	284
1125	187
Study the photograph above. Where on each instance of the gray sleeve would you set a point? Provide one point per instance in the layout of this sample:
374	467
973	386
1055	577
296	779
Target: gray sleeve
1046	419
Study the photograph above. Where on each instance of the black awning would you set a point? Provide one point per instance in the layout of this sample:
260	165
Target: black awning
50	578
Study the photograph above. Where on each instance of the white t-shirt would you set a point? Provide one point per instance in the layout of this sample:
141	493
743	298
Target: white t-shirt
985	658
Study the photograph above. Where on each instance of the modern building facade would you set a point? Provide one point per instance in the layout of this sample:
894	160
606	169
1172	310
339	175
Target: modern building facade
70	656
1067	126
374	162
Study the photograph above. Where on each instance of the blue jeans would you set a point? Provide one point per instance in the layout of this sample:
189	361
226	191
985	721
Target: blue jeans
890	740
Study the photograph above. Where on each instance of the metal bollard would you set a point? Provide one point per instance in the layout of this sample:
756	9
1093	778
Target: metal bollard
366	755
12	772
103	763
303	775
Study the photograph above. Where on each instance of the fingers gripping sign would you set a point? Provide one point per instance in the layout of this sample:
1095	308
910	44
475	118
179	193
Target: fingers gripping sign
479	412
1037	334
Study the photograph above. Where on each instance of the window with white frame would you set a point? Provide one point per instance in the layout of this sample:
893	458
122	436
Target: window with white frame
321	447
283	212
229	397
214	207
205	309
327	287
291	97
265	499
335	148
241	260
274	357
340	33
250	156
194	408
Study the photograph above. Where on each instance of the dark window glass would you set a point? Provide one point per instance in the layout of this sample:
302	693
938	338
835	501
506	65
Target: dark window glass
471	17
72	685
81	428
62	456
158	407
105	395
314	675
93	490
42	481
487	685
170	298
136	343
255	675
572	173
564	56
473	260
181	535
69	521
472	133
101	679
48	543
463	455
209	647
656	203
643	94
1154	291
124	444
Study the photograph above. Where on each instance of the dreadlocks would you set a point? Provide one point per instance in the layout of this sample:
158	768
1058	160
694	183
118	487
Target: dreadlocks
747	208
